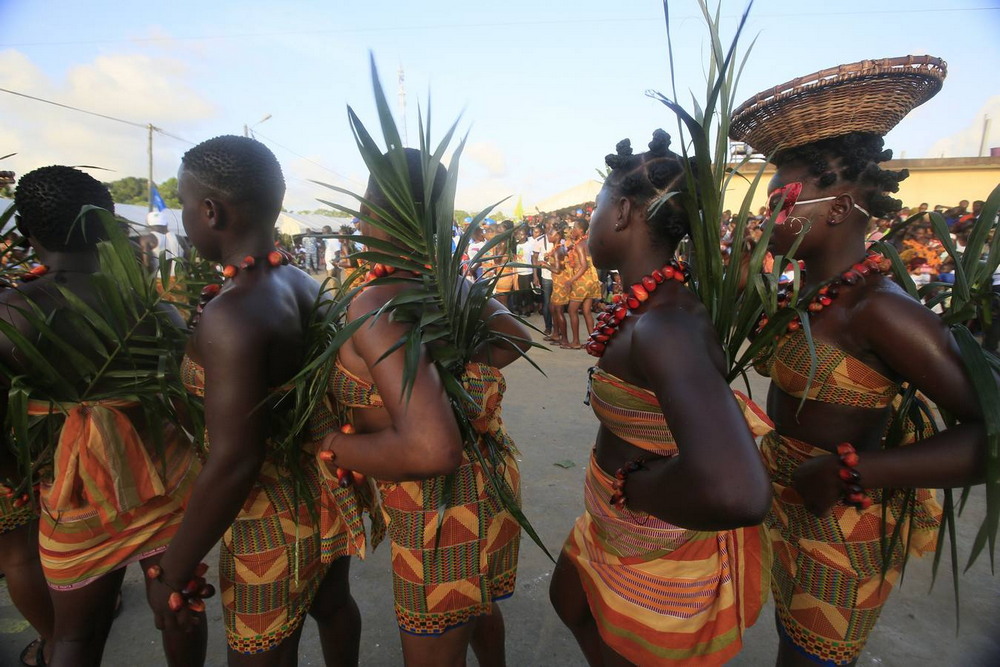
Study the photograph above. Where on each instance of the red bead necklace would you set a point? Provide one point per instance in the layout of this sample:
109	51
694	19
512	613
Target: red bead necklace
34	273
230	271
872	264
608	322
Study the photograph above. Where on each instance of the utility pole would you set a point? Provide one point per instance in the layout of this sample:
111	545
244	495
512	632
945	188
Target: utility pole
986	136
149	183
402	103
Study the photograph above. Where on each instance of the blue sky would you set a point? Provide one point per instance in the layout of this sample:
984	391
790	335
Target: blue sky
544	89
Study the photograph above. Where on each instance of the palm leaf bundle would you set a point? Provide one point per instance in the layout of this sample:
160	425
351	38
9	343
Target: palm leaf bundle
120	346
443	311
735	289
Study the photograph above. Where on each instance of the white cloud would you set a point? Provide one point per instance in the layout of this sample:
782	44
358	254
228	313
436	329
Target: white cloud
137	88
489	155
965	143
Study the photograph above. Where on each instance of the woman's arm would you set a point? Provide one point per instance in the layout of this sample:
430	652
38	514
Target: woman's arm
717	481
500	320
236	383
912	341
422	439
581	260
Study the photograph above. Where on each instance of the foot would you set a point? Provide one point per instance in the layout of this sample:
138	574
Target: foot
33	654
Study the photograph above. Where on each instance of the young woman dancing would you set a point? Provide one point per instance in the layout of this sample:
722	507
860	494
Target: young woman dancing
833	478
667	564
445	587
583	282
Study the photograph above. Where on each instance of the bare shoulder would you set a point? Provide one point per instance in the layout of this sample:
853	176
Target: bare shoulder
681	331
886	307
684	317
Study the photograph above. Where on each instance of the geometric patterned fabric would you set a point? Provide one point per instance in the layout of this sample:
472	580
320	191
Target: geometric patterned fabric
661	594
839	378
449	565
12	517
587	286
827	577
290	529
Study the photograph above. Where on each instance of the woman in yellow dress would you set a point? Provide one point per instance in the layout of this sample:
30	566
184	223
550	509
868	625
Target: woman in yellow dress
583	283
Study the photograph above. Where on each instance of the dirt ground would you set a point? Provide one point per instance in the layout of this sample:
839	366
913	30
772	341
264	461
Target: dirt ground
554	430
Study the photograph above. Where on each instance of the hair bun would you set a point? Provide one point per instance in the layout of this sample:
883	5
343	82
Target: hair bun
660	145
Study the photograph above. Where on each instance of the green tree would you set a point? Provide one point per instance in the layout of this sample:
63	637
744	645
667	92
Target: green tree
168	190
128	190
134	190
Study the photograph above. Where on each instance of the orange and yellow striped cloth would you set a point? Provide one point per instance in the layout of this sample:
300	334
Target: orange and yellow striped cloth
660	593
113	498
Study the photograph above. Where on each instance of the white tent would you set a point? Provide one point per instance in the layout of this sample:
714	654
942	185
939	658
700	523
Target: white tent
585	192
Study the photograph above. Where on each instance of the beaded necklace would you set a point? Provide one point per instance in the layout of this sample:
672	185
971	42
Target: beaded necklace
230	271
608	322
873	263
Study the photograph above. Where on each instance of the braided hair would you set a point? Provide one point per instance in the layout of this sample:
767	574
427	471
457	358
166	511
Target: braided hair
644	178
48	202
851	158
240	169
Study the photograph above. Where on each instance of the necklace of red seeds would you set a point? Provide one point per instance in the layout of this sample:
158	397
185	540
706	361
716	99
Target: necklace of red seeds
873	263
608	322
230	271
34	273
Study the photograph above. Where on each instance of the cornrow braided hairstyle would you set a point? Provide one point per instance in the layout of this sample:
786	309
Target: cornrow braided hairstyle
645	177
48	202
851	158
240	169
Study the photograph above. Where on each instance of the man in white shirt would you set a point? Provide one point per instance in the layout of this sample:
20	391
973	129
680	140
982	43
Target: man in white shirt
541	248
523	303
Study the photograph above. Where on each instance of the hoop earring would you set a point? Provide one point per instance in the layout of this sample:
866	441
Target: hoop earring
798	220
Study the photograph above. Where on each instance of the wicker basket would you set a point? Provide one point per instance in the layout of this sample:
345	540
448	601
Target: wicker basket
868	96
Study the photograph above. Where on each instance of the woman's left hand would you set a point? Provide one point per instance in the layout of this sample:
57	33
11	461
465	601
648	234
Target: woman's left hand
817	481
184	620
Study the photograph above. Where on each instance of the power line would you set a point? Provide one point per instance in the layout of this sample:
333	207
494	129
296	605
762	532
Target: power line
499	24
144	126
310	160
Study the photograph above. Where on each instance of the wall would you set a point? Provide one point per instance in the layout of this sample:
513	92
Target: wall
944	181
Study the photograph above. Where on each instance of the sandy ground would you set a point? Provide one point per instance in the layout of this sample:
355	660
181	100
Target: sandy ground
547	418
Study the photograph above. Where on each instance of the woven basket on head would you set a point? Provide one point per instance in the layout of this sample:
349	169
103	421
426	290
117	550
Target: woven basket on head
869	96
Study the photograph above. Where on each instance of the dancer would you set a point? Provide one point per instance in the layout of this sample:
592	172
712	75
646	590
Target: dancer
555	260
833	478
668	563
118	482
584	284
445	586
286	533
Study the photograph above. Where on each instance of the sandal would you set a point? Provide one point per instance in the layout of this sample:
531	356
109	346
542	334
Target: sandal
37	650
